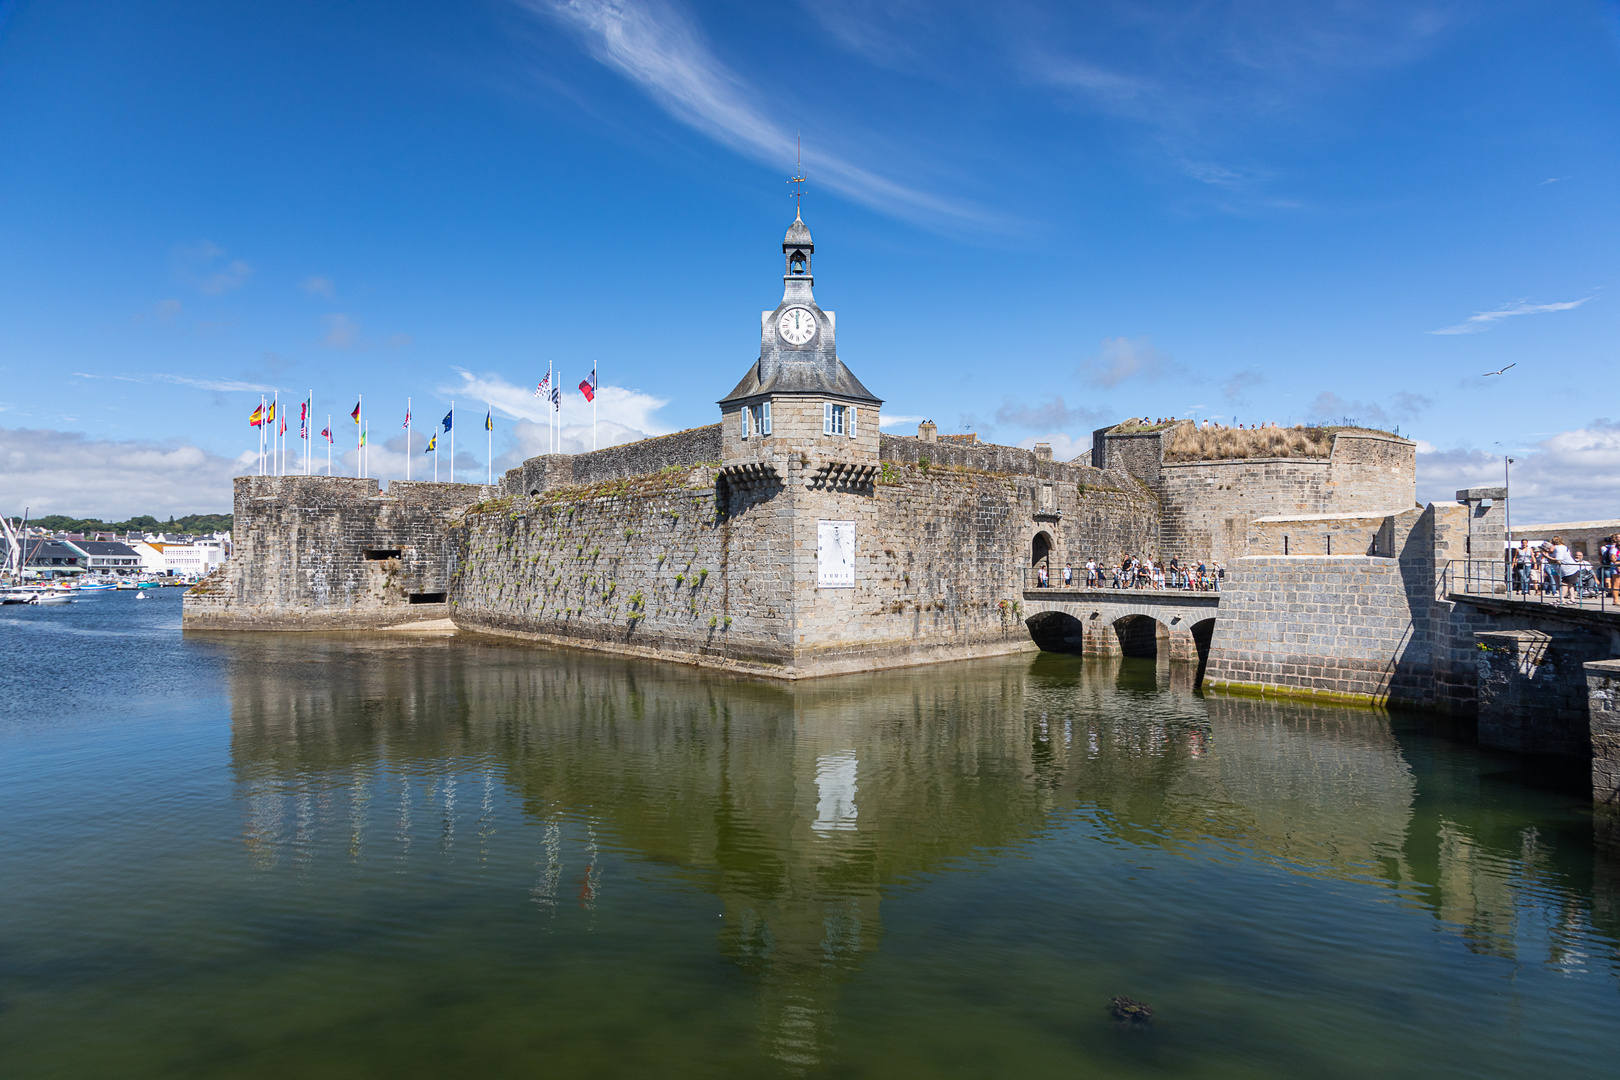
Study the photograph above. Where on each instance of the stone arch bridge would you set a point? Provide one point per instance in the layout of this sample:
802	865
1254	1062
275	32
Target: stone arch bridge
1165	623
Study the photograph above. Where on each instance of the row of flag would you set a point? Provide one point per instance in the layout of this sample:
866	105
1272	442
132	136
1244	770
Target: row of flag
266	415
264	418
544	389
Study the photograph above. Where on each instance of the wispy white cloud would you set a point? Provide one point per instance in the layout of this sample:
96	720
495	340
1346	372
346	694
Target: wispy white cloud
342	332
1568	476
1402	407
1484	320
629	412
319	286
218	385
661	50
1198	84
1121	358
898	420
205	265
66	472
1051	414
1064	447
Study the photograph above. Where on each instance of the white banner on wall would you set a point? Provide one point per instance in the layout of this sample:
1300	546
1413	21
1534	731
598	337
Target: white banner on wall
835	554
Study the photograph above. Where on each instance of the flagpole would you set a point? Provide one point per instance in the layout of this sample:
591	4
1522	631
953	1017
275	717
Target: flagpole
452	442
551	408
359	437
489	443
593	404
407	438
309	444
328	444
435	457
261	434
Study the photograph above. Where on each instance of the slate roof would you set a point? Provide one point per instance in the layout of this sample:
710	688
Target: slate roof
820	376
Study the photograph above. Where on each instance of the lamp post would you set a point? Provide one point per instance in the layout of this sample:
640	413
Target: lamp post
1507	514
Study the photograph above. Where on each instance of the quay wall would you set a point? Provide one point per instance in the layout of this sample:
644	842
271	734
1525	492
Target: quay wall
333	553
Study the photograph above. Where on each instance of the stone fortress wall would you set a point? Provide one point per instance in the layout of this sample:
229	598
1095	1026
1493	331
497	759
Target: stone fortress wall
685	562
333	553
1209	505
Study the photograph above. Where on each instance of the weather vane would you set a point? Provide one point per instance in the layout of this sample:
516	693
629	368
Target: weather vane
797	180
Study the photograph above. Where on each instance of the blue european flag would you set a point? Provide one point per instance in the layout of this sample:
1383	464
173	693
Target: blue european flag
447	417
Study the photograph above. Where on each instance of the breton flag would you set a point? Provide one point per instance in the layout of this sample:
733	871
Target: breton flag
355	416
556	397
489	420
540	387
588	386
447	418
257	419
432	442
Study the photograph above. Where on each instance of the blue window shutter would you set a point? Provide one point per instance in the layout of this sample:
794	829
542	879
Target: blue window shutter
852	411
766	414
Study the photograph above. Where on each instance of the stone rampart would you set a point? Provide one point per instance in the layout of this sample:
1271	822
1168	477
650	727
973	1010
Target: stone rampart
637	565
942	557
1208	505
989	457
683	449
325	553
655	566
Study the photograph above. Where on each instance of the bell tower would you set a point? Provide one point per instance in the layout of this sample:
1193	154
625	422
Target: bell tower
799	409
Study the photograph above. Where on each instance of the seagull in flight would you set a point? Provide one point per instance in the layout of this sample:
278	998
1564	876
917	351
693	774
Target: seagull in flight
1488	374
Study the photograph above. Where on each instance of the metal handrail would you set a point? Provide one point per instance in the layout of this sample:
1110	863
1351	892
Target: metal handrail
1109	579
1592	587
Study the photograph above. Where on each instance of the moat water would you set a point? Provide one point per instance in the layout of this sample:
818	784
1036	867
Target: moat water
228	855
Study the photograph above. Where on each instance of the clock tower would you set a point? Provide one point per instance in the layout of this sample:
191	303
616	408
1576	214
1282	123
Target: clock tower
799	413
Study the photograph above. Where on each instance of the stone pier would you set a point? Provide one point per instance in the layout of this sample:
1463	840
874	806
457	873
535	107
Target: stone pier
1603	707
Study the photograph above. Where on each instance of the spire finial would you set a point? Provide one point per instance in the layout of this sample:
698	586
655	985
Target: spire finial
797	180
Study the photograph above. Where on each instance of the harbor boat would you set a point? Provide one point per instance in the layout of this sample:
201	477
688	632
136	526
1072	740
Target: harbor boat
97	586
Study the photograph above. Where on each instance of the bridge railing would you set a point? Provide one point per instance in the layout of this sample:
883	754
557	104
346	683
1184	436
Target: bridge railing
1593	587
1108	579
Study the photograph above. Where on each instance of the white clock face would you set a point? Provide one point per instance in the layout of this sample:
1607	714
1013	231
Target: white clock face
796	325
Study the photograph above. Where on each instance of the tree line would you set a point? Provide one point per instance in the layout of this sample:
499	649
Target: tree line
191	523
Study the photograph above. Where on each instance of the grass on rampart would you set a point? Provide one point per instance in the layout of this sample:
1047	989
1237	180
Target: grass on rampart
1190	443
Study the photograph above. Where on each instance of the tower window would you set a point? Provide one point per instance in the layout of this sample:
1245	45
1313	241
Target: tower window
832	419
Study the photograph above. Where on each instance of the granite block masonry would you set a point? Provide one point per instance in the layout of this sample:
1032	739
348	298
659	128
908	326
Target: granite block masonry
1603	710
792	538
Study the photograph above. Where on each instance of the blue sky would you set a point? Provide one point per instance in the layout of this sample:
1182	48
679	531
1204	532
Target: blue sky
1032	219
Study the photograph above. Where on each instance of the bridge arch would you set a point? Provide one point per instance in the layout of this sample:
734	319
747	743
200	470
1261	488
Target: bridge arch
1141	636
1057	632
